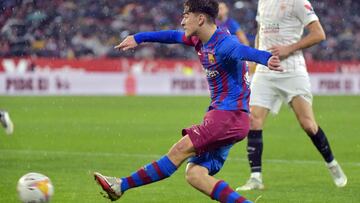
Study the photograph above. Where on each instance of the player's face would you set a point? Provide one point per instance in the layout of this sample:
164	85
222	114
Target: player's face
223	10
190	23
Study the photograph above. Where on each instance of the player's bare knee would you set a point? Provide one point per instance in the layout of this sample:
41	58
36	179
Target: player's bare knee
194	175
191	176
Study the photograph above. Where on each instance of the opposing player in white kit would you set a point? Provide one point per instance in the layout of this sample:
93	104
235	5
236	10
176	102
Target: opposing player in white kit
280	27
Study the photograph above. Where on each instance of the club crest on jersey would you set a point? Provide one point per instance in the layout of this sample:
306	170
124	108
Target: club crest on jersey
211	58
309	8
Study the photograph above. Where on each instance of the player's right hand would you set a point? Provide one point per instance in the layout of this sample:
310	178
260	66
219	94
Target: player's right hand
274	63
128	43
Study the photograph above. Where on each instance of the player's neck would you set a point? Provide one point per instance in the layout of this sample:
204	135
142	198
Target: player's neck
206	32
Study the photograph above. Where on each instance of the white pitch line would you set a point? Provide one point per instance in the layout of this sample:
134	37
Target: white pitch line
150	156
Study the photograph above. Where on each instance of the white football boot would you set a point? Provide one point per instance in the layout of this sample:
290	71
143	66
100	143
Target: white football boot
111	185
254	183
337	173
6	122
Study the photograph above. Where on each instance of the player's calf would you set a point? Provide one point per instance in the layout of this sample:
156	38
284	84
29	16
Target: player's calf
309	126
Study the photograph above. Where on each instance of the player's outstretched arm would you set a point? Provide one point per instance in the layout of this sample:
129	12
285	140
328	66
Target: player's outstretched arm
233	50
165	36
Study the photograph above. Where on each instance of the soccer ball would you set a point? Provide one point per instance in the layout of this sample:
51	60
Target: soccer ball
35	188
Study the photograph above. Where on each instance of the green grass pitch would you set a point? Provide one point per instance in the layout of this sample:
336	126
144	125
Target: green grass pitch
68	138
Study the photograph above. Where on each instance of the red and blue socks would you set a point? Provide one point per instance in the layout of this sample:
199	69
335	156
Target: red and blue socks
164	168
150	173
224	194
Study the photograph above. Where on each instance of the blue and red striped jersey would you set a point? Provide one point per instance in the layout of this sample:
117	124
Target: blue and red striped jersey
223	58
227	79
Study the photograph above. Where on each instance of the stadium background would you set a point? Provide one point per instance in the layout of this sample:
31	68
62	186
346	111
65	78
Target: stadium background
57	63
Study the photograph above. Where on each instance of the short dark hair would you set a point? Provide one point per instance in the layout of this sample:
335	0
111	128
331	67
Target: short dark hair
208	7
224	2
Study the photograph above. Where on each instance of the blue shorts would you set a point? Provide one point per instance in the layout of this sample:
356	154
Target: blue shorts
212	160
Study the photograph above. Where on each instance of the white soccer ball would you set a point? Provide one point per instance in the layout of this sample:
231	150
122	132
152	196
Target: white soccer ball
35	188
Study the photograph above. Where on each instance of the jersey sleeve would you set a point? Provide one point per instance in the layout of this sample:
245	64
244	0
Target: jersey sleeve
165	36
233	50
305	12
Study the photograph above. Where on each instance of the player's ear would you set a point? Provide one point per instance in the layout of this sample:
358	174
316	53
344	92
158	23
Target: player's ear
202	19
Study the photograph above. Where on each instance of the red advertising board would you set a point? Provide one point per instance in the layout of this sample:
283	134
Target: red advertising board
144	66
97	65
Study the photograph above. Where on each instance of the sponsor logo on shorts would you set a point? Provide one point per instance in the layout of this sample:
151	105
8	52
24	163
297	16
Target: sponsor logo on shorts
197	132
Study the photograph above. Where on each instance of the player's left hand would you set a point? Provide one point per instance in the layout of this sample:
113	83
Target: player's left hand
281	51
274	63
128	43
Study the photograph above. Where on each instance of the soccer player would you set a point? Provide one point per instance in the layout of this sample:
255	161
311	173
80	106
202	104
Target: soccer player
226	121
280	29
227	23
6	122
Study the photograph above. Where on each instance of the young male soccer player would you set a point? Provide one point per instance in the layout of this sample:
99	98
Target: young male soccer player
224	21
6	122
281	25
226	121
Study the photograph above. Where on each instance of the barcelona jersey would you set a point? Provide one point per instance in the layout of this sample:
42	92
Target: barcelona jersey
223	58
227	79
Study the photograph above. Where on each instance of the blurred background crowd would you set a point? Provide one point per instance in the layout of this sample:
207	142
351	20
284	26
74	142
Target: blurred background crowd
91	28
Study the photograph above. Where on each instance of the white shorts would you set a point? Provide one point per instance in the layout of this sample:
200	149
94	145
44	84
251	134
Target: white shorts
270	90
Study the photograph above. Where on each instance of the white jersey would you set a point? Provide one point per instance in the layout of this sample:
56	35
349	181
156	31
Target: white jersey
282	22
